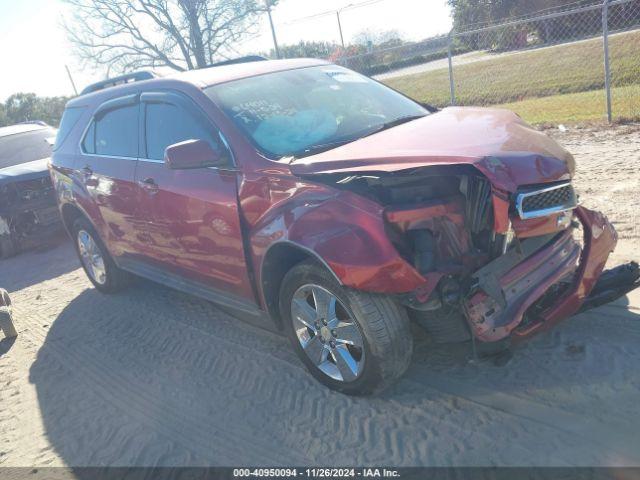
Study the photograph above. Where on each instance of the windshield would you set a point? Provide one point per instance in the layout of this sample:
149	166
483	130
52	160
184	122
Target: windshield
25	147
304	111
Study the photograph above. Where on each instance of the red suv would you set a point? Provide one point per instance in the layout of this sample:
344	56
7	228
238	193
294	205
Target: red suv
301	193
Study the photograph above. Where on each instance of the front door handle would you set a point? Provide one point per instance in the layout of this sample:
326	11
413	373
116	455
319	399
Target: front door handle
149	184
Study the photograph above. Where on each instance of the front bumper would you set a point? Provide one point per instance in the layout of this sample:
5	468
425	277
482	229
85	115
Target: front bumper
500	303
27	228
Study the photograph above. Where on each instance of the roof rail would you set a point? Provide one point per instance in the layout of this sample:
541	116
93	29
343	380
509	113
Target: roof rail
233	61
121	80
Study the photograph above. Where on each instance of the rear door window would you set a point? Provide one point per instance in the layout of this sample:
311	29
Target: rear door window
114	133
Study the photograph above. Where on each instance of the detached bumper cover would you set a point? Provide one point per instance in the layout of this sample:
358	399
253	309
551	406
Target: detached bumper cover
496	310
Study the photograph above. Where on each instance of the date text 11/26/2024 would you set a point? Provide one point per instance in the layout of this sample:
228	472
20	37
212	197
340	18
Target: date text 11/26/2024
315	473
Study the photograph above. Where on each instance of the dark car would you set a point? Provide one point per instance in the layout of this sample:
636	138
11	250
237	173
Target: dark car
28	210
314	199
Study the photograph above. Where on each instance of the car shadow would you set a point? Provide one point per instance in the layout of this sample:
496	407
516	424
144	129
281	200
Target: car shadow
154	377
593	349
6	344
35	266
146	376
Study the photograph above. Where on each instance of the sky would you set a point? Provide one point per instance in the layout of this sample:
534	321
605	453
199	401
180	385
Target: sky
34	49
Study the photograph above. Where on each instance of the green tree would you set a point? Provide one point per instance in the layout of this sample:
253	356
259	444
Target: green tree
474	14
22	107
467	13
28	107
308	50
3	116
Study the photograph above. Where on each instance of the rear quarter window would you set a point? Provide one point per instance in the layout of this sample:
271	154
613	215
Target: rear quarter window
69	120
89	141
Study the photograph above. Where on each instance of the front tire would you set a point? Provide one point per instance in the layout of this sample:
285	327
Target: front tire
357	343
95	259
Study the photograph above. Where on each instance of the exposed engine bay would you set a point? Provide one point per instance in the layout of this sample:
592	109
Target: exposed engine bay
436	220
497	263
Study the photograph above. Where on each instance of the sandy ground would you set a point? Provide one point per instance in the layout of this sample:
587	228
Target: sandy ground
155	377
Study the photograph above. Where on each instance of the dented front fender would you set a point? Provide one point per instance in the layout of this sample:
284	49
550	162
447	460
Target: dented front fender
346	231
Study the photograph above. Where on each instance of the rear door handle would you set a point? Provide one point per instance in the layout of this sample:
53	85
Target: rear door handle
149	184
87	170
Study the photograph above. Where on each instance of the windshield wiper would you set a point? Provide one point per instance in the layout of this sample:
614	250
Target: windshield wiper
393	123
322	147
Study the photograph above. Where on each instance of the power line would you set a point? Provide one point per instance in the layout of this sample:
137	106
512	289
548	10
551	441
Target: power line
362	4
333	12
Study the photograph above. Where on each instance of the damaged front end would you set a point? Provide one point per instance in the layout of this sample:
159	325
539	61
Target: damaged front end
28	212
497	264
541	281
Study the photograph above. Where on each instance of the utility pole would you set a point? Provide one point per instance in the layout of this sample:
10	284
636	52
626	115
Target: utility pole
273	28
607	66
452	87
340	28
71	80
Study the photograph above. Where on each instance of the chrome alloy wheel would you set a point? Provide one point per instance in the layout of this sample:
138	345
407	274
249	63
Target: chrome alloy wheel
91	257
327	333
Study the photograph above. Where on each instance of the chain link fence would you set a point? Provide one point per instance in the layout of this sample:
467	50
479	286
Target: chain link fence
574	64
623	21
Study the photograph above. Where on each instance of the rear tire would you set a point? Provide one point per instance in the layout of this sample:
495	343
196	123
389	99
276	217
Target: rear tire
96	260
383	325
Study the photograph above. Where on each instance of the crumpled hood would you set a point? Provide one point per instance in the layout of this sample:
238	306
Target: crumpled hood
497	142
24	171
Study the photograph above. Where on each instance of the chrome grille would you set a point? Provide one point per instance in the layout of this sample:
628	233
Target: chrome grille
545	201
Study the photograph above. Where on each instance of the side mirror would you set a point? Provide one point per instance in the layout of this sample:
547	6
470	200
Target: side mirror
192	154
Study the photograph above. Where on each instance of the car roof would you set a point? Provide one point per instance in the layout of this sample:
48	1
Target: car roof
21	128
202	78
214	75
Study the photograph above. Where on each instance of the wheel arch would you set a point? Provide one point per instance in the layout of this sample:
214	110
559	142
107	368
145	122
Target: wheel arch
281	257
70	213
344	233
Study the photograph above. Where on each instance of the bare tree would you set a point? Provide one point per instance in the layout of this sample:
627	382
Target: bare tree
126	35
